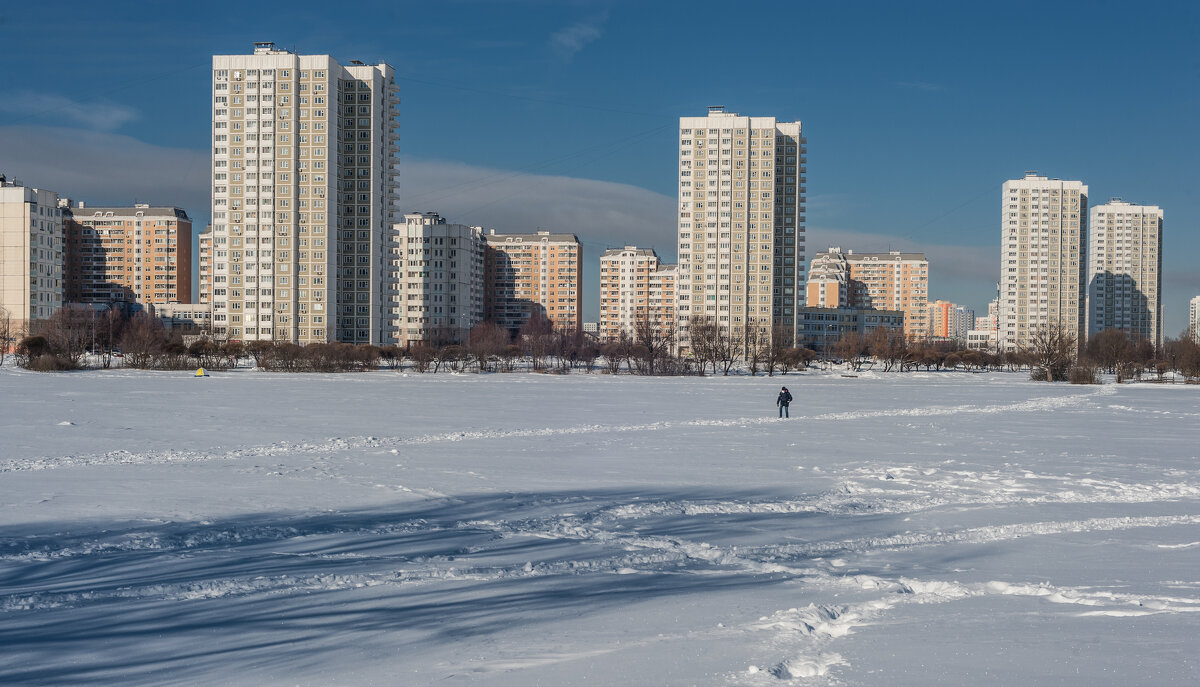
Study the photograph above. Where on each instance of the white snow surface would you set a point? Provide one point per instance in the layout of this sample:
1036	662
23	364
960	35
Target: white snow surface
254	528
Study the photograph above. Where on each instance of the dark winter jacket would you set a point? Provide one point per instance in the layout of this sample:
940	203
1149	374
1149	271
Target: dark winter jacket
785	398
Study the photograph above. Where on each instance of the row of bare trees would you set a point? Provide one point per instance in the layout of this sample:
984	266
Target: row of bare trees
79	336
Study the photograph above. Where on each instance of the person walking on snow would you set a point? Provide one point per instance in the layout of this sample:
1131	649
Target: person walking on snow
785	397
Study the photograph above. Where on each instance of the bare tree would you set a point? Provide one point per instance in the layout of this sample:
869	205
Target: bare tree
509	356
1110	349
781	342
656	339
756	345
69	331
485	342
8	335
142	340
703	335
1050	351
537	335
850	348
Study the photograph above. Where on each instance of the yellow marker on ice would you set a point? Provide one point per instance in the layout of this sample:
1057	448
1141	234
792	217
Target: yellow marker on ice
200	372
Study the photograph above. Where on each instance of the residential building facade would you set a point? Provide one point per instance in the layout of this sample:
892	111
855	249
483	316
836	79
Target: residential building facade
31	253
819	328
139	254
636	289
1124	258
880	281
950	321
205	249
1043	267
527	274
990	322
189	318
439	295
303	194
1194	318
981	339
741	223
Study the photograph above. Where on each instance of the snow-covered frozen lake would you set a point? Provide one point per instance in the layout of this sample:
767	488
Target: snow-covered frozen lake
384	529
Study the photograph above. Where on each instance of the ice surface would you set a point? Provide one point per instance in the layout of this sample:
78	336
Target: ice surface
254	528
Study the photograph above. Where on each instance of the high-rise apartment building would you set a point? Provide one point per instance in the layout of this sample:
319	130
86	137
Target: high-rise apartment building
205	249
878	281
1044	264
828	283
31	253
139	254
440	290
741	223
636	290
991	320
1194	318
1124	258
950	321
303	195
537	273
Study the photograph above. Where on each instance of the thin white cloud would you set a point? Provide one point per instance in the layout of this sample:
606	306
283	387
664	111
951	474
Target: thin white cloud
570	40
39	108
102	167
599	212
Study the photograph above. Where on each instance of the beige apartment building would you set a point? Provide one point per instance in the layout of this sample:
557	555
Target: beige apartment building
303	194
31	253
741	223
540	273
636	287
877	281
1043	265
1124	288
205	249
1194	318
139	254
439	296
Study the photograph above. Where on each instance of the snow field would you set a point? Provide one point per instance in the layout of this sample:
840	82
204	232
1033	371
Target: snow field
264	529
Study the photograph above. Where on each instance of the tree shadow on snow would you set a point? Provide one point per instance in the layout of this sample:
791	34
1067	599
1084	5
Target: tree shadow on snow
130	603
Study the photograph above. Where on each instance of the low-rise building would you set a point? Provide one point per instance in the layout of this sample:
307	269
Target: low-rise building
981	339
820	328
187	318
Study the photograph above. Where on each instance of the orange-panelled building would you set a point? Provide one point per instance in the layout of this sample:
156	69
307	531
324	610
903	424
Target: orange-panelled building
527	273
878	281
127	254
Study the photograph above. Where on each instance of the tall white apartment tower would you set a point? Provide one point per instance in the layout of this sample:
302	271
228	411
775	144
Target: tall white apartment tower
1124	289
1044	264
303	193
31	254
741	223
1194	319
440	294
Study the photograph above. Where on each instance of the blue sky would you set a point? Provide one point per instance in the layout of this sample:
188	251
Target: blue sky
563	115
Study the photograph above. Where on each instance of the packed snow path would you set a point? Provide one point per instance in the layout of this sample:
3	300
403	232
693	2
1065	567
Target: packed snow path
916	529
